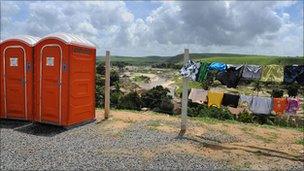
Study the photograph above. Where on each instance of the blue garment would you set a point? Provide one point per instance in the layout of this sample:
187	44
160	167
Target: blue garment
217	66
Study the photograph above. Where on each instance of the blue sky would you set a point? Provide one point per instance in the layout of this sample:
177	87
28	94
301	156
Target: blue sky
140	28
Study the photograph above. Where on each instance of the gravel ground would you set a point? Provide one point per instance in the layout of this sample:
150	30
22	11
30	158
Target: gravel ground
220	137
45	147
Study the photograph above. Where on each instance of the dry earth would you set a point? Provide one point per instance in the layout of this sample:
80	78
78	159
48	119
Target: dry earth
243	146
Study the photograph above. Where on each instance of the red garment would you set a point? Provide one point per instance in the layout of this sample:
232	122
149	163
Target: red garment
279	105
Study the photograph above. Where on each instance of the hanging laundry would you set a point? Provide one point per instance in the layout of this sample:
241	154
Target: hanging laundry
198	95
245	100
231	76
237	66
279	105
293	105
217	66
252	72
231	100
261	105
236	111
273	73
203	71
294	73
190	70
215	98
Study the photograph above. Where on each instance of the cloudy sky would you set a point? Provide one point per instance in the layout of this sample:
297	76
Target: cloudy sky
139	28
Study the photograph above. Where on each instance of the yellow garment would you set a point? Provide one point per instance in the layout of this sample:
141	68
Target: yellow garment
215	98
272	73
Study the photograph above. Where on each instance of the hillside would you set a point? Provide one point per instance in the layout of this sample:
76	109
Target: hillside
210	57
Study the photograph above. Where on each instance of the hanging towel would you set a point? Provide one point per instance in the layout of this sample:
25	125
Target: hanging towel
293	105
215	98
279	105
273	73
252	72
217	66
245	100
261	105
231	76
294	73
230	100
203	71
190	70
236	111
198	95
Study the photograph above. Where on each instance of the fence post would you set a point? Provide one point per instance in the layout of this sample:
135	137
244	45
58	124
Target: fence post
184	99
107	85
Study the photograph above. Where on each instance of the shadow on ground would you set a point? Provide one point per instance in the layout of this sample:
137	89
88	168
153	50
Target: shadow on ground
12	124
247	148
38	129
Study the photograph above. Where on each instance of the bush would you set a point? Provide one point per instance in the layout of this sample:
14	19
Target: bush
115	98
130	101
166	105
153	97
99	96
142	78
245	117
277	93
201	110
293	90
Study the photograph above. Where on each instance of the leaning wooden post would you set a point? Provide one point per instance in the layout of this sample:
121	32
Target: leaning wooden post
184	98
107	85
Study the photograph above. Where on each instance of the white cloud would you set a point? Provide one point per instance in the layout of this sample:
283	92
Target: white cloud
232	26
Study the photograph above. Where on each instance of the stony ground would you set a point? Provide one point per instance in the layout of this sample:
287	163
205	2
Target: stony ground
148	141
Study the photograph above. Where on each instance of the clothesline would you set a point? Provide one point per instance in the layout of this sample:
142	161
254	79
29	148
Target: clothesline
230	75
256	104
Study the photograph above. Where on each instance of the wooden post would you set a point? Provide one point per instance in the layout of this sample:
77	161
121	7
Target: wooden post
107	85
184	99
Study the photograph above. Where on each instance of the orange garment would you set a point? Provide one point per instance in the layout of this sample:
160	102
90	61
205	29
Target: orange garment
279	105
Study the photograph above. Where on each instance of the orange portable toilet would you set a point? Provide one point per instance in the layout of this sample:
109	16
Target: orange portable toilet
64	80
17	77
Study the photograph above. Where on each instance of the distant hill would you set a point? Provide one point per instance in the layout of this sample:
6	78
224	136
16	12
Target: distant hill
210	57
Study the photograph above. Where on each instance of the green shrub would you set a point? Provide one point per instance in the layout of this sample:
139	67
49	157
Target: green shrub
142	78
153	97
245	117
293	90
166	105
277	93
130	101
115	98
202	110
99	96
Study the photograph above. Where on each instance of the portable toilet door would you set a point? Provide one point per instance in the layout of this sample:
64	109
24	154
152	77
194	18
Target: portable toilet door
17	77
64	80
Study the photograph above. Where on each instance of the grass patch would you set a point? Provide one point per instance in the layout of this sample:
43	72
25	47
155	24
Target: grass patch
152	125
301	129
250	131
300	141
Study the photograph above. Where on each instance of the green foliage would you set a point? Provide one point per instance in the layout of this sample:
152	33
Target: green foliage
100	68
166	106
277	93
300	141
130	101
293	90
198	110
152	98
142	78
245	117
